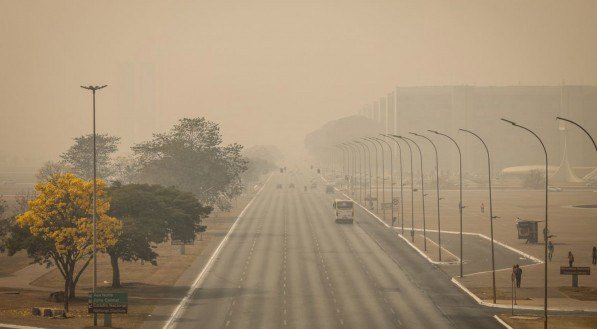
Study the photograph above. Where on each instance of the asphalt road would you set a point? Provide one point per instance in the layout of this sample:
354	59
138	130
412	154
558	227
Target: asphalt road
287	264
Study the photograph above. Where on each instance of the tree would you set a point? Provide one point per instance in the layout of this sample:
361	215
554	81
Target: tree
534	179
124	169
150	213
57	229
80	155
191	158
50	169
5	223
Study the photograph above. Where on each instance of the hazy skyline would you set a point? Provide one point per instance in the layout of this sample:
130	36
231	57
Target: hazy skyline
268	72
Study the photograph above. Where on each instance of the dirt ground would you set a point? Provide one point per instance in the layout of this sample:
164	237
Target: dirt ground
146	284
554	322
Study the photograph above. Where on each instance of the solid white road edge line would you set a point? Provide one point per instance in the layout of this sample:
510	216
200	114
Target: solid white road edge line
502	322
16	326
199	280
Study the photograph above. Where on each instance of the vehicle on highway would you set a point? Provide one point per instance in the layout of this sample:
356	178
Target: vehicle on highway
329	189
279	186
344	210
291	185
554	189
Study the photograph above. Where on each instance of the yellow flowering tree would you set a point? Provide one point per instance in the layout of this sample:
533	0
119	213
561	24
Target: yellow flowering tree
58	227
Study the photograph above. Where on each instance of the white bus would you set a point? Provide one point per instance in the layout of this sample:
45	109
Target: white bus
344	210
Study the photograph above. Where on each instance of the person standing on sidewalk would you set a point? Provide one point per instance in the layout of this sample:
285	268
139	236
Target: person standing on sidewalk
594	255
518	275
550	249
570	258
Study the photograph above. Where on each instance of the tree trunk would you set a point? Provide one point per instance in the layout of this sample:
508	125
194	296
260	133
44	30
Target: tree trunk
115	271
66	293
71	289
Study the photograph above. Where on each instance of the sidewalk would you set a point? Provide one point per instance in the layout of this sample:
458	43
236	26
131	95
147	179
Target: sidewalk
23	278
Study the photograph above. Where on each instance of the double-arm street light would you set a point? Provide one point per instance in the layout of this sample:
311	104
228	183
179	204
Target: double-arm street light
376	174
94	215
546	204
412	192
439	229
401	184
491	217
460	206
383	171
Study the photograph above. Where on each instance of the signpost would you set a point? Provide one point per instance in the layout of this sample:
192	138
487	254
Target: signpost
575	271
108	302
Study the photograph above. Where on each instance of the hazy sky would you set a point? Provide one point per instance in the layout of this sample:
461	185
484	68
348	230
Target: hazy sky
268	71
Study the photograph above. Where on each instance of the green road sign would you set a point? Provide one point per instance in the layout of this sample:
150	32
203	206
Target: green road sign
108	302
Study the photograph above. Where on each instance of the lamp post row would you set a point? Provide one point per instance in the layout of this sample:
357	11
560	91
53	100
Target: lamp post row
460	204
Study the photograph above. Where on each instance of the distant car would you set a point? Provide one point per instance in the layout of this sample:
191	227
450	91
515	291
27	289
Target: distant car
291	185
554	189
313	185
279	186
329	189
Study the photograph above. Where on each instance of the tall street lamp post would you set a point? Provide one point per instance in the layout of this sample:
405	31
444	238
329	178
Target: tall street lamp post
460	206
422	192
383	178
412	191
579	126
364	161
94	216
439	229
491	217
376	174
391	179
546	226
401	184
354	167
366	147
343	161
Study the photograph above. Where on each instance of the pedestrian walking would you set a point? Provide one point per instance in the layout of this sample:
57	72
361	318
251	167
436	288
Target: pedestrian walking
570	258
594	255
482	208
550	249
518	275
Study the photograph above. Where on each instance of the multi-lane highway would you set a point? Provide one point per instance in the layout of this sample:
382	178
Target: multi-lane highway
287	264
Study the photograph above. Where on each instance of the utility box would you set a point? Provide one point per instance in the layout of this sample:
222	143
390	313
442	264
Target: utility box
528	229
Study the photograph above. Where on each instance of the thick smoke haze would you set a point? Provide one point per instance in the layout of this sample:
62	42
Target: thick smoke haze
267	71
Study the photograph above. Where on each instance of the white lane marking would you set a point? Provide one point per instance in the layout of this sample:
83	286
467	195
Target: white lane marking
502	322
199	280
443	248
520	252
